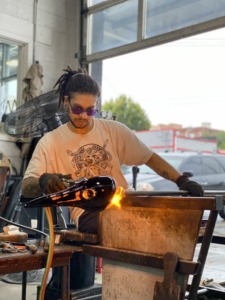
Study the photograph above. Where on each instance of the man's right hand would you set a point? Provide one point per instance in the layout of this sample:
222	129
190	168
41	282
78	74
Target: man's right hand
51	183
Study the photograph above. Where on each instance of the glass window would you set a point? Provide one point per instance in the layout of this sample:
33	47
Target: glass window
193	165
113	27
164	16
8	78
1	55
221	160
10	60
211	166
11	92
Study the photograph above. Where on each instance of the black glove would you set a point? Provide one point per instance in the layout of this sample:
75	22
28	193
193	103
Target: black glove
51	183
192	187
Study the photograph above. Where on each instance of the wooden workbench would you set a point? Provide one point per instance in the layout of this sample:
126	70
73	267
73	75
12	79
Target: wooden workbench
23	262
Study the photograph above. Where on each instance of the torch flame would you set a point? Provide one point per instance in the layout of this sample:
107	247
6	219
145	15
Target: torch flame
119	194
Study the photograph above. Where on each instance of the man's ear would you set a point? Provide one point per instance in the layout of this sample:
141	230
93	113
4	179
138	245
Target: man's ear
65	101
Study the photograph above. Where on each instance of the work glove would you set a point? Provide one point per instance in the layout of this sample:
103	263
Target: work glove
192	187
51	183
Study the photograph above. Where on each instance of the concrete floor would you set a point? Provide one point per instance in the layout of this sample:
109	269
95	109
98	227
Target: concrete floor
214	269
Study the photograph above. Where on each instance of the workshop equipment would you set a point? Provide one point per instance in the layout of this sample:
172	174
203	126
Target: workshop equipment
135	237
168	290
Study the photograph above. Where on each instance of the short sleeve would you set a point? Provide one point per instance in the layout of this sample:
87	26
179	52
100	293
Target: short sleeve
130	149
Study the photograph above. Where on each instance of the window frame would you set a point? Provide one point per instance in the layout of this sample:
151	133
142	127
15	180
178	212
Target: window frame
141	43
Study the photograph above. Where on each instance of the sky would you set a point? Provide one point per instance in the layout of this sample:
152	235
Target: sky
181	82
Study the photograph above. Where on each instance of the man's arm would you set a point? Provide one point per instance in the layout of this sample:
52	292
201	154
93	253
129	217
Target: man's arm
31	188
47	183
162	167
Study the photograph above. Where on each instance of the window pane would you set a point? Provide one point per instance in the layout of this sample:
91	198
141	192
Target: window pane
1	54
193	165
10	60
2	101
164	16
113	27
211	166
11	92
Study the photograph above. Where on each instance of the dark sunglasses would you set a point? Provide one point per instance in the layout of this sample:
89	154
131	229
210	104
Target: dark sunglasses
79	110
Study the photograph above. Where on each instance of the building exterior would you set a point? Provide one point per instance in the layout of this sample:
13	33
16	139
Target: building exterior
170	140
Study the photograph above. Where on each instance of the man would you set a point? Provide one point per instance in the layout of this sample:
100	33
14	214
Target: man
87	147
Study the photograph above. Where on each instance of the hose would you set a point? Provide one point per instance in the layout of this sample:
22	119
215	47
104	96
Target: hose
50	253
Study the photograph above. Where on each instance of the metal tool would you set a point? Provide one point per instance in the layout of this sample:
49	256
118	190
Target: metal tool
168	290
93	194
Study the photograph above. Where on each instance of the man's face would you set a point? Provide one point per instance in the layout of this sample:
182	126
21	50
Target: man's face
84	104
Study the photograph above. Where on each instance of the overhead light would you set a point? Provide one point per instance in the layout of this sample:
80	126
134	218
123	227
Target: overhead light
12	63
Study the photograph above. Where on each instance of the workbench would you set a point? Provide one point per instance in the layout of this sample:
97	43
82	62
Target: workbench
23	262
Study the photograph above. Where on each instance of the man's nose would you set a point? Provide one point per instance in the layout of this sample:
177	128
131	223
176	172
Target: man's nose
83	114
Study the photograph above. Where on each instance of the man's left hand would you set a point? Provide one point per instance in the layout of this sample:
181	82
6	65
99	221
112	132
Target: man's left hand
192	187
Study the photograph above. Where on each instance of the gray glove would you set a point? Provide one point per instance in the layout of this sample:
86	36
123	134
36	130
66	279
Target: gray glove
51	183
192	187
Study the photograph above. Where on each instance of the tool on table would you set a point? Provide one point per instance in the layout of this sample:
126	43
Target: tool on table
7	247
168	290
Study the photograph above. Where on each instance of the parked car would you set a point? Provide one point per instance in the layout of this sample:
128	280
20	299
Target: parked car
206	169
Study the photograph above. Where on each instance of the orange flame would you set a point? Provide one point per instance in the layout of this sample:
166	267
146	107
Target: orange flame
119	194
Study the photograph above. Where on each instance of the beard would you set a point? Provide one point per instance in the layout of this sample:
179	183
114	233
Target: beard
80	122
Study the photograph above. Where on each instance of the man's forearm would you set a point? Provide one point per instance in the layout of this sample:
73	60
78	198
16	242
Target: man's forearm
162	168
31	188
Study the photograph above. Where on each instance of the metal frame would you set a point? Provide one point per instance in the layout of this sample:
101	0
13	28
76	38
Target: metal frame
213	204
94	8
141	43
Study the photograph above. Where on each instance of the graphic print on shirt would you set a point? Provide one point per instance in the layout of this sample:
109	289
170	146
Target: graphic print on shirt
91	160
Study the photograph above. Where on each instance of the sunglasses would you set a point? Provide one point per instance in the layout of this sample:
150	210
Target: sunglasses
79	110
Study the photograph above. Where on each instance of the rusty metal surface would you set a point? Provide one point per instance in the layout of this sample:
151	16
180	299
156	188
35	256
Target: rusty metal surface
138	258
174	202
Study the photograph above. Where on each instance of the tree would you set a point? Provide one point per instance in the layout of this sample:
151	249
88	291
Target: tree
220	136
128	112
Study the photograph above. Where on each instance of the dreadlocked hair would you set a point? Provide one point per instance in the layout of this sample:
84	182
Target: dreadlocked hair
75	82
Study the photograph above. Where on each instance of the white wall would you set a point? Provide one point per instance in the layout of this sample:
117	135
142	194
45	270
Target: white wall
55	38
55	33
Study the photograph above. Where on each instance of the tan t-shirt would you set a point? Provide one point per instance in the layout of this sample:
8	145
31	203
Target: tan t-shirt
100	152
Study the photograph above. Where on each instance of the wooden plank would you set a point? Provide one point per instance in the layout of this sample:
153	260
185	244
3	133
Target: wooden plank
151	230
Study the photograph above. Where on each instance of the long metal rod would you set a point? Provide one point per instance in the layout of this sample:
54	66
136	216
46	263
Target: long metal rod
155	193
207	193
23	226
